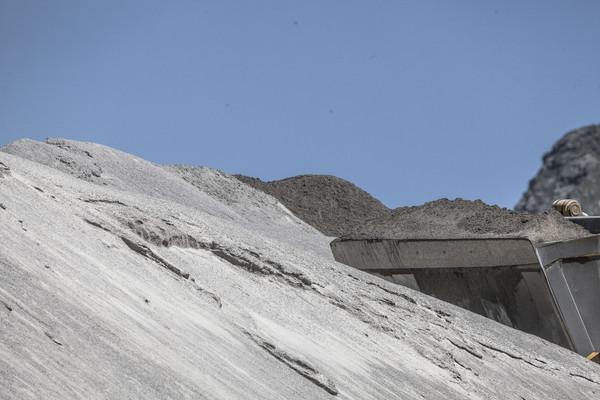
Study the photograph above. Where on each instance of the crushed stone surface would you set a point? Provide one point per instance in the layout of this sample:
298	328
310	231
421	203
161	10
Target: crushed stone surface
466	219
123	279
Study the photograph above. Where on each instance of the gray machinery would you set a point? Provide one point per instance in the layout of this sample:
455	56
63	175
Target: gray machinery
551	289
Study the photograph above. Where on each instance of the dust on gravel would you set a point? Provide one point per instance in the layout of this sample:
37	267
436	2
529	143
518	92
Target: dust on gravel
466	219
332	205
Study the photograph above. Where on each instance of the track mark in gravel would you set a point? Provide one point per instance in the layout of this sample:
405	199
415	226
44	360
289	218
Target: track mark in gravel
443	359
52	338
4	170
487	346
466	348
240	261
149	254
96	224
61	143
360	309
165	234
386	302
441	313
404	296
207	295
264	267
364	314
105	201
462	365
9	308
584	377
291	273
162	233
300	366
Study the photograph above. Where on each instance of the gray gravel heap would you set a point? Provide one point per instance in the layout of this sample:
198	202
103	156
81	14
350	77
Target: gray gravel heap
332	205
121	279
465	219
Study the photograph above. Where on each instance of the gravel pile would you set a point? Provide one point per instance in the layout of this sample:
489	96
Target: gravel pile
125	279
465	219
332	205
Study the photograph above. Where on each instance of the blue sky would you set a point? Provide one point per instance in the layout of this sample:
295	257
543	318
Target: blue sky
409	100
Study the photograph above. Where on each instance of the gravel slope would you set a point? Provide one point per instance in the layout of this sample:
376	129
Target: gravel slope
124	279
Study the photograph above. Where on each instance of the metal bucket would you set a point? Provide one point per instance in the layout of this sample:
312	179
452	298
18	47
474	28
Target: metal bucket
551	290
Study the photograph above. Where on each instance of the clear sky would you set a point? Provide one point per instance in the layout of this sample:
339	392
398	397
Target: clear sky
409	100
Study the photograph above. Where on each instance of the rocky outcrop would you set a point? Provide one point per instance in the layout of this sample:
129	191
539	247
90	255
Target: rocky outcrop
570	170
332	205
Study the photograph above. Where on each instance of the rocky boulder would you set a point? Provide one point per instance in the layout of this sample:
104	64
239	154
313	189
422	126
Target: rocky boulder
570	170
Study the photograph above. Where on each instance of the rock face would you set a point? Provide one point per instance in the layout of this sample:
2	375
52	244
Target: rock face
466	219
332	205
570	170
124	279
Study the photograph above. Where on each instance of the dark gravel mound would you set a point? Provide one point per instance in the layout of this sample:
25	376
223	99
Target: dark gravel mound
465	219
332	205
570	170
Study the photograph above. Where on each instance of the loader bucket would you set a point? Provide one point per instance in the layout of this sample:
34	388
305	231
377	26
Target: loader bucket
551	290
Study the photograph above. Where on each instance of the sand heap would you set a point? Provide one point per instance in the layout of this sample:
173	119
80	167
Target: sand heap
332	205
465	219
